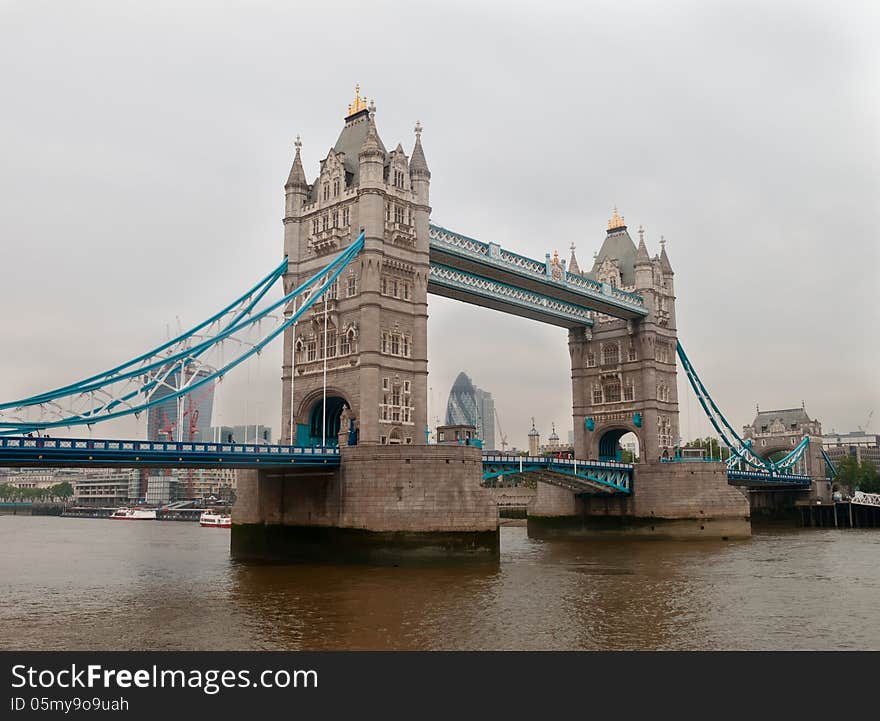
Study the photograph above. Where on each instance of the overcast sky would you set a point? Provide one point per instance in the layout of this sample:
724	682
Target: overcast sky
145	146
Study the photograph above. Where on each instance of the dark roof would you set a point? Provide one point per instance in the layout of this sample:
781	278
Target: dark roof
352	138
618	245
788	416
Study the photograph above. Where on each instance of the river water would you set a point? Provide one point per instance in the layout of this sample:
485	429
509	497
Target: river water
69	583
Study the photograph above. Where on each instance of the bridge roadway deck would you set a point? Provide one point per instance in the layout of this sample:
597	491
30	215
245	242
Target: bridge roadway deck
578	476
523	286
756	480
101	453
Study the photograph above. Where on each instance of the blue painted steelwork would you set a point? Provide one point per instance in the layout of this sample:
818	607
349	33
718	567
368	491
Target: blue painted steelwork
445	242
252	296
507	294
140	398
64	452
741	452
615	477
758	478
832	469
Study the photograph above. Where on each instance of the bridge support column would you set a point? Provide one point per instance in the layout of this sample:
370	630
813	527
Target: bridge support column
671	500
384	504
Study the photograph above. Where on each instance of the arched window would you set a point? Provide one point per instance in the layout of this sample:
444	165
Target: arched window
610	354
612	392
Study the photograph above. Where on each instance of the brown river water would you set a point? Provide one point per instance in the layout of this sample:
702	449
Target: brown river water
93	584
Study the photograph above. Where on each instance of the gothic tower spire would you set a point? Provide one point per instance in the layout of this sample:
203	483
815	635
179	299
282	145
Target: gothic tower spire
573	266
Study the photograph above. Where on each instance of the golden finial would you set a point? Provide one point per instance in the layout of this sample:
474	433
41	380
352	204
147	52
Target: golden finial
616	220
358	104
555	256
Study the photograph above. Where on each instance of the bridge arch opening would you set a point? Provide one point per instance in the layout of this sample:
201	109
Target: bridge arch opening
330	427
619	444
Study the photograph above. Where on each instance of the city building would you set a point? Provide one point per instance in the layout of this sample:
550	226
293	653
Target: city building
554	447
472	406
195	408
104	487
161	490
534	441
777	432
861	445
241	434
462	435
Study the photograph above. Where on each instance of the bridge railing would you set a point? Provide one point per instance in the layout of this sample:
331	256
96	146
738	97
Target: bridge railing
496	255
89	444
866	499
553	460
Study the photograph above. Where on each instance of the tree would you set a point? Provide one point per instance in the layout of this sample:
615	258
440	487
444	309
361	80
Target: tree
710	445
857	476
61	490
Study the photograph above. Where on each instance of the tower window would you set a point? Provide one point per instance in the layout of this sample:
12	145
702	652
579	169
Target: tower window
610	354
345	217
351	285
335	188
629	392
591	360
597	396
612	392
631	356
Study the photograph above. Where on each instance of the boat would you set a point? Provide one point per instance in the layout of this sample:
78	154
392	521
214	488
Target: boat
133	514
210	519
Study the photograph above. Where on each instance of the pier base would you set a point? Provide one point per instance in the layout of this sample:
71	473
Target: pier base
385	504
669	500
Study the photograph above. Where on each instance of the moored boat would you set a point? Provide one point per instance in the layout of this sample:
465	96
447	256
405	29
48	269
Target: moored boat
133	514
210	519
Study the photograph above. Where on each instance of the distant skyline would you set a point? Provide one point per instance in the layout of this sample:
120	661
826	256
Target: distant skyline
147	146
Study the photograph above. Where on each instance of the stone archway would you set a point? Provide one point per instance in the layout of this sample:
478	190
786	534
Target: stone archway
606	442
312	426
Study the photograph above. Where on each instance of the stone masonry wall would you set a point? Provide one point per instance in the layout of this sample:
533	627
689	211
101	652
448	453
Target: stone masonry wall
378	488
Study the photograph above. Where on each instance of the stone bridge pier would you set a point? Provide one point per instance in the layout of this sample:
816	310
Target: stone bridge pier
669	500
383	504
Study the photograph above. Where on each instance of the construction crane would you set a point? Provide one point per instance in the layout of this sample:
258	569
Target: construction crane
864	428
500	432
166	430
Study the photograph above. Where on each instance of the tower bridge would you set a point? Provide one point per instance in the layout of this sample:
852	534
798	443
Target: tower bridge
353	469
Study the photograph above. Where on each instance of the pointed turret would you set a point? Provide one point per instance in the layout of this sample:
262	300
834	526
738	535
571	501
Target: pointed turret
371	157
371	147
644	270
420	176
665	265
418	166
573	266
642	257
297	177
296	189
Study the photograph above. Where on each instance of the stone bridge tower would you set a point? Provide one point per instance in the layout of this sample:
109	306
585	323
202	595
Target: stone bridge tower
376	313
623	372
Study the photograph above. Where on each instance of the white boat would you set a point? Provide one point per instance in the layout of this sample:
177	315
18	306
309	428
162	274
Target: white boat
210	519
133	514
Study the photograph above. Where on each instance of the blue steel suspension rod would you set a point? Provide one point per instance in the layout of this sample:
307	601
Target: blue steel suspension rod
349	253
265	284
702	393
188	353
688	365
691	373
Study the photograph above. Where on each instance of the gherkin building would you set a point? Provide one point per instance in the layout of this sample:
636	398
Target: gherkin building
471	406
